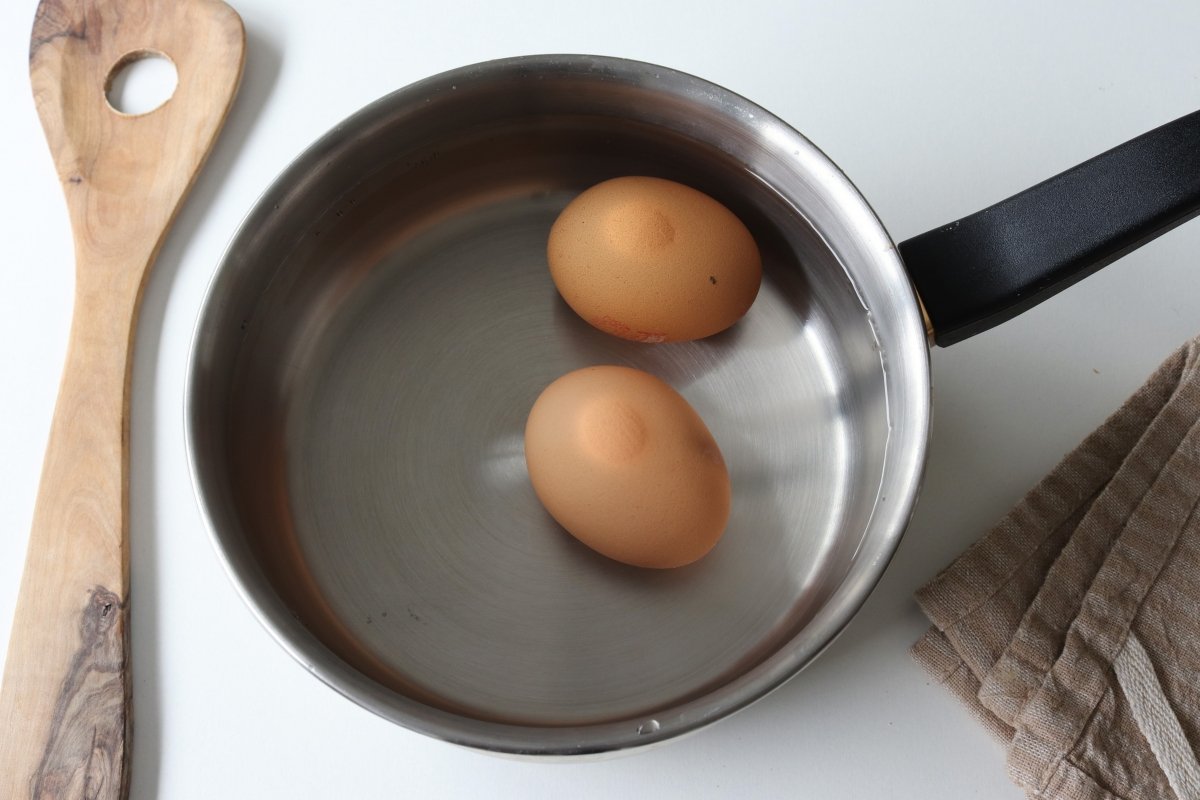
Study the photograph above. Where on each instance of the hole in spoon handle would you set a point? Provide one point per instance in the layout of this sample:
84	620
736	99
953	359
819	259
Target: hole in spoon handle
140	82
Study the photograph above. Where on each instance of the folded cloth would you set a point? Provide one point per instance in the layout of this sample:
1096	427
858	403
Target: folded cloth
1071	631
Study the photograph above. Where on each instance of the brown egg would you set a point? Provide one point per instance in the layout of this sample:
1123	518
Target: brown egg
653	260
622	462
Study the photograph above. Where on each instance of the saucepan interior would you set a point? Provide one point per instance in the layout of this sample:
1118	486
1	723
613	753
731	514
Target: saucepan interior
381	324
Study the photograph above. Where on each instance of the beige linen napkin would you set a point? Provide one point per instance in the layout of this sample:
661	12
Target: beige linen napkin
1071	631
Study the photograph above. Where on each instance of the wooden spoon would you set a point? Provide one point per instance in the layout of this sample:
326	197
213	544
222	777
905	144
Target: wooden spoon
64	702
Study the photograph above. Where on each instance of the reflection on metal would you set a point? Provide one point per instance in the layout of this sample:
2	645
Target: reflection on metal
379	329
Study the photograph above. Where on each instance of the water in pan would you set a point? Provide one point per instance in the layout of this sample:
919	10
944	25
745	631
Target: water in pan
411	506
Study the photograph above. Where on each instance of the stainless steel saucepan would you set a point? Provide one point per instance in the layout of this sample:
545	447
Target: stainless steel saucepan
382	322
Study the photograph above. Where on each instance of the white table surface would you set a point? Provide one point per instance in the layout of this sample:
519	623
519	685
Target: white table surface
935	109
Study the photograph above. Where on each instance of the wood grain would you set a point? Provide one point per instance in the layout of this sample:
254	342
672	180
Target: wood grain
89	729
64	700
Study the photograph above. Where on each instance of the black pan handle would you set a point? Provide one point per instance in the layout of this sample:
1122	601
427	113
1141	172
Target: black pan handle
985	269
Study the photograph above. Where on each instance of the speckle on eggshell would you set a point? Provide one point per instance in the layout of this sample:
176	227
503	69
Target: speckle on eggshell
652	260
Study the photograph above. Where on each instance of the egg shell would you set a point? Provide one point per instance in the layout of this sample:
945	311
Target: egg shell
624	464
652	260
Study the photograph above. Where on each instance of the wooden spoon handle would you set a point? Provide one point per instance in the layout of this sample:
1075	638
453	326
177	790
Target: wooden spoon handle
64	701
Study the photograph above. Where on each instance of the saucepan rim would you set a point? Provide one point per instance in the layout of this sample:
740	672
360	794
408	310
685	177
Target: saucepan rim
878	545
